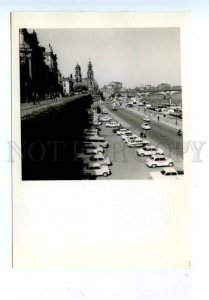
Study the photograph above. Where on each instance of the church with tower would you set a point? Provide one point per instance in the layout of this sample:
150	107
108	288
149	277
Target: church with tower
88	82
79	83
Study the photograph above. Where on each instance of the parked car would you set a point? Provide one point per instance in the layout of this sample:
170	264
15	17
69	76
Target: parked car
96	123
147	119
122	131
131	137
90	133
137	143
167	173
158	160
99	158
127	134
93	146
149	150
113	124
116	129
95	169
140	103
143	143
104	112
146	126
105	119
99	143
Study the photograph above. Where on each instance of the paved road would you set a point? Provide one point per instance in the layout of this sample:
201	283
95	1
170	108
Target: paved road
126	164
161	135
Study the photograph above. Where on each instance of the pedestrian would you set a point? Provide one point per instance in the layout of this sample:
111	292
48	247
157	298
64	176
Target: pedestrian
33	98
158	118
141	134
144	135
55	97
37	101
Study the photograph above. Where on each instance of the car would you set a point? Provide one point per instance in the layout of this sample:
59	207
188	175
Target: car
131	137
135	142
127	134
167	173
149	150
89	133
158	160
147	119
122	131
106	119
104	112
95	130
146	126
112	124
97	123
99	157
143	143
116	129
93	146
97	140
95	169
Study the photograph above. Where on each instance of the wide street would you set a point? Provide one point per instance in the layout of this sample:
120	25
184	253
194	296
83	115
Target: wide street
126	164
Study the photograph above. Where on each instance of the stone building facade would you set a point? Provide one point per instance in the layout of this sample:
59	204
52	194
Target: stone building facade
38	67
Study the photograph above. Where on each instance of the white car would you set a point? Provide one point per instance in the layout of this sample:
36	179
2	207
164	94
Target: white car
131	138
167	173
149	150
157	160
122	131
90	133
106	119
146	126
95	169
127	135
99	158
146	119
112	124
143	143
87	146
104	112
148	105
96	123
138	142
93	130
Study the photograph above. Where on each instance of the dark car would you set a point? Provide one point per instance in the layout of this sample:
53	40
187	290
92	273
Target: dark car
116	129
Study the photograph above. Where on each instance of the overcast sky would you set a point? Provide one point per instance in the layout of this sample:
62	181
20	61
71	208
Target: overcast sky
132	56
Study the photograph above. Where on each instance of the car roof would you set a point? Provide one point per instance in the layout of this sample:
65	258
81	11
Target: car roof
99	154
94	164
158	155
169	169
150	146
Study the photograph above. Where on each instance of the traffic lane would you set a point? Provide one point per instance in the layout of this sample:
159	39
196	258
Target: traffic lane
160	135
126	164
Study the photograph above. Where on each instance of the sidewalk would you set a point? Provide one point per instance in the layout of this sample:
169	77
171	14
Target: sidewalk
167	120
30	108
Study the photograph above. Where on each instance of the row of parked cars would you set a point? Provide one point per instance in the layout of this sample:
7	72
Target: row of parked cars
91	152
144	148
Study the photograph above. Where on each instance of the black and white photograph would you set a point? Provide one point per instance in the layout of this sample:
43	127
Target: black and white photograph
101	103
101	175
95	96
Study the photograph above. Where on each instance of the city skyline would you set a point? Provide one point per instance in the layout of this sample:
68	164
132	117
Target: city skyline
133	56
